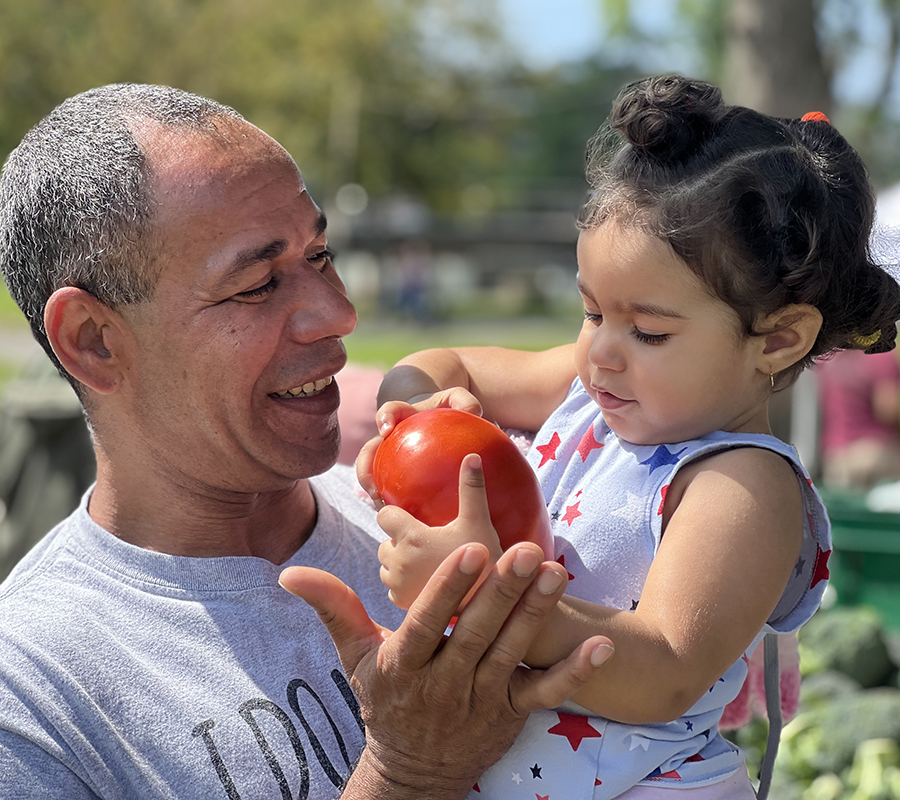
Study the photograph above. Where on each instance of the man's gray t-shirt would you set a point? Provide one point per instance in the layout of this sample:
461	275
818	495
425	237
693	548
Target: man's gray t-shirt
126	673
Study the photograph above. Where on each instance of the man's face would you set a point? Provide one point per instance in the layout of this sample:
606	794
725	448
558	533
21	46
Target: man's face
231	380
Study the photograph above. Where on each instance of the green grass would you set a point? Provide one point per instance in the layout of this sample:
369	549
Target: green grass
382	343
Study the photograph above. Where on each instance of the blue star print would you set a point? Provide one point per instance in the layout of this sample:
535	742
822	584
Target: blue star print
662	456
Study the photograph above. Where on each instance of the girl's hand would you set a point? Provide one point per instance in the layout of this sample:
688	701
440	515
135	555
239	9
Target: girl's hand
395	411
415	551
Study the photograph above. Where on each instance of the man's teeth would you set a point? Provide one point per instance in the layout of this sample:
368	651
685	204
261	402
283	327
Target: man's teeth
313	387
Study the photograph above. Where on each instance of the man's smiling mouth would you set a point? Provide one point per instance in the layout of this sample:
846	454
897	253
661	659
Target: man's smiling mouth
307	389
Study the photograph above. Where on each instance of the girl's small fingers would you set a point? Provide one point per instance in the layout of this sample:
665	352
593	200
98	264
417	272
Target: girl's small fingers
391	413
473	502
397	523
385	551
461	400
364	468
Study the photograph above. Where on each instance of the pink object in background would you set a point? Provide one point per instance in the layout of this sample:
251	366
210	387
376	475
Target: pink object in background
356	415
751	701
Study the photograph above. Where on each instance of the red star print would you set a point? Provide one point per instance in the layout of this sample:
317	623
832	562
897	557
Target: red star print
588	444
662	499
820	568
542	796
598	782
671	774
476	788
695	757
562	562
572	513
575	728
548	451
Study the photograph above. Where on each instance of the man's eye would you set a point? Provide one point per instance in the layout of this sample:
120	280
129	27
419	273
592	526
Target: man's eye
259	291
323	256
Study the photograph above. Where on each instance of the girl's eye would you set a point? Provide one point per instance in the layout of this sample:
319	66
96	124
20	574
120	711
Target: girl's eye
650	338
593	317
260	291
322	257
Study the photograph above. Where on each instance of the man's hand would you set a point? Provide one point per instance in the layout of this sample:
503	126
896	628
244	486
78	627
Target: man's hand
438	710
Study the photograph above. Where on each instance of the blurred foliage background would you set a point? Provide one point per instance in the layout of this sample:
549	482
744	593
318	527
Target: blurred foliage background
450	165
449	161
429	96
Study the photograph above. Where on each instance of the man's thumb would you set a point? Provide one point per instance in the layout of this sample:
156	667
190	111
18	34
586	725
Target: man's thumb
352	630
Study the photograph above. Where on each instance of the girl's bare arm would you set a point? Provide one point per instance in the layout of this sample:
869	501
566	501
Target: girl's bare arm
726	556
516	388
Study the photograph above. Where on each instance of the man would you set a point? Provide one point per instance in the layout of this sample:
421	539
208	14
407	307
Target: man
173	265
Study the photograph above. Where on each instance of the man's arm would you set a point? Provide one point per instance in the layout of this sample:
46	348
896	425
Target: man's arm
439	712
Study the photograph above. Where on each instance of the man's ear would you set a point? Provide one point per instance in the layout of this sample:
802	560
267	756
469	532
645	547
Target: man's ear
789	334
88	338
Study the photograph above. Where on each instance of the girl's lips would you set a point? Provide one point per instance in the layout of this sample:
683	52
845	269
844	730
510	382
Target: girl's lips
609	402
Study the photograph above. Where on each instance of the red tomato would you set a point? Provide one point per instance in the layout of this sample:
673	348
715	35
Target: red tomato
417	465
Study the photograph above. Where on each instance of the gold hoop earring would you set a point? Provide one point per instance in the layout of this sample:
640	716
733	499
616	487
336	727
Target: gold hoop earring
771	380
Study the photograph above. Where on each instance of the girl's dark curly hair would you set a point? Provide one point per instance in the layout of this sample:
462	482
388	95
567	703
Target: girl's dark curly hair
768	212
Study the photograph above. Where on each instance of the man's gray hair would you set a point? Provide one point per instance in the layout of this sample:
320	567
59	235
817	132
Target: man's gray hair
75	201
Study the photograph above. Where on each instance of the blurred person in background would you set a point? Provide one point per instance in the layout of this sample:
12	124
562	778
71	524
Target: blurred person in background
859	396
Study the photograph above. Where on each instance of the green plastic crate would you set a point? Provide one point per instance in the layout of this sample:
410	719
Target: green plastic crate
865	564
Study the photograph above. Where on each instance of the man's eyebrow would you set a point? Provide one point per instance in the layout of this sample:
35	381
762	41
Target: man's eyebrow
268	252
649	309
253	255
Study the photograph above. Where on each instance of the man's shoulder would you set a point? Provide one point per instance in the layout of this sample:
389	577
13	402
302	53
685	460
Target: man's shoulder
38	567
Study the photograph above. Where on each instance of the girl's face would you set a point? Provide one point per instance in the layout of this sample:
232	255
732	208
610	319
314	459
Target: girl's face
662	357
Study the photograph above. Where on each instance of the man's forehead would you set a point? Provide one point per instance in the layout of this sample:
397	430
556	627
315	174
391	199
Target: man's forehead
196	158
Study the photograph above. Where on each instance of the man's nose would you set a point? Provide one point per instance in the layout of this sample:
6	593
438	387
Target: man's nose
322	310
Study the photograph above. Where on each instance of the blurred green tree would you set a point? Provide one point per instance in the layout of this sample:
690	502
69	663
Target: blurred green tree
391	93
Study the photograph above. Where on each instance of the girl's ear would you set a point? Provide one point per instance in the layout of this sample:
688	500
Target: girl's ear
88	337
792	331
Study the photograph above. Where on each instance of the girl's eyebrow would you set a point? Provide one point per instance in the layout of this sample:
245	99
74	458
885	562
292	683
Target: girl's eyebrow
655	310
648	309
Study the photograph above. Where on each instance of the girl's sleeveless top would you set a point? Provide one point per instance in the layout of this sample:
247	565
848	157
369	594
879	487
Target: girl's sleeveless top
605	497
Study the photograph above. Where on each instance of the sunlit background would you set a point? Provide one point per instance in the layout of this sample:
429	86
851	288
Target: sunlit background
445	140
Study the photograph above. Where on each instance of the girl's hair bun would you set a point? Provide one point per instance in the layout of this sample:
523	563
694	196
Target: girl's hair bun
667	116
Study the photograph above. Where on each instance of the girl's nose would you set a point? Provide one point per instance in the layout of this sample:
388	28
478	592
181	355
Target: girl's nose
605	351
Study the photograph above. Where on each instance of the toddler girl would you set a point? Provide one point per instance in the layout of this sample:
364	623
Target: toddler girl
721	251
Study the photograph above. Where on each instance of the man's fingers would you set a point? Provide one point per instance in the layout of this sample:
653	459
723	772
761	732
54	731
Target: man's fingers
484	637
534	689
422	631
353	632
